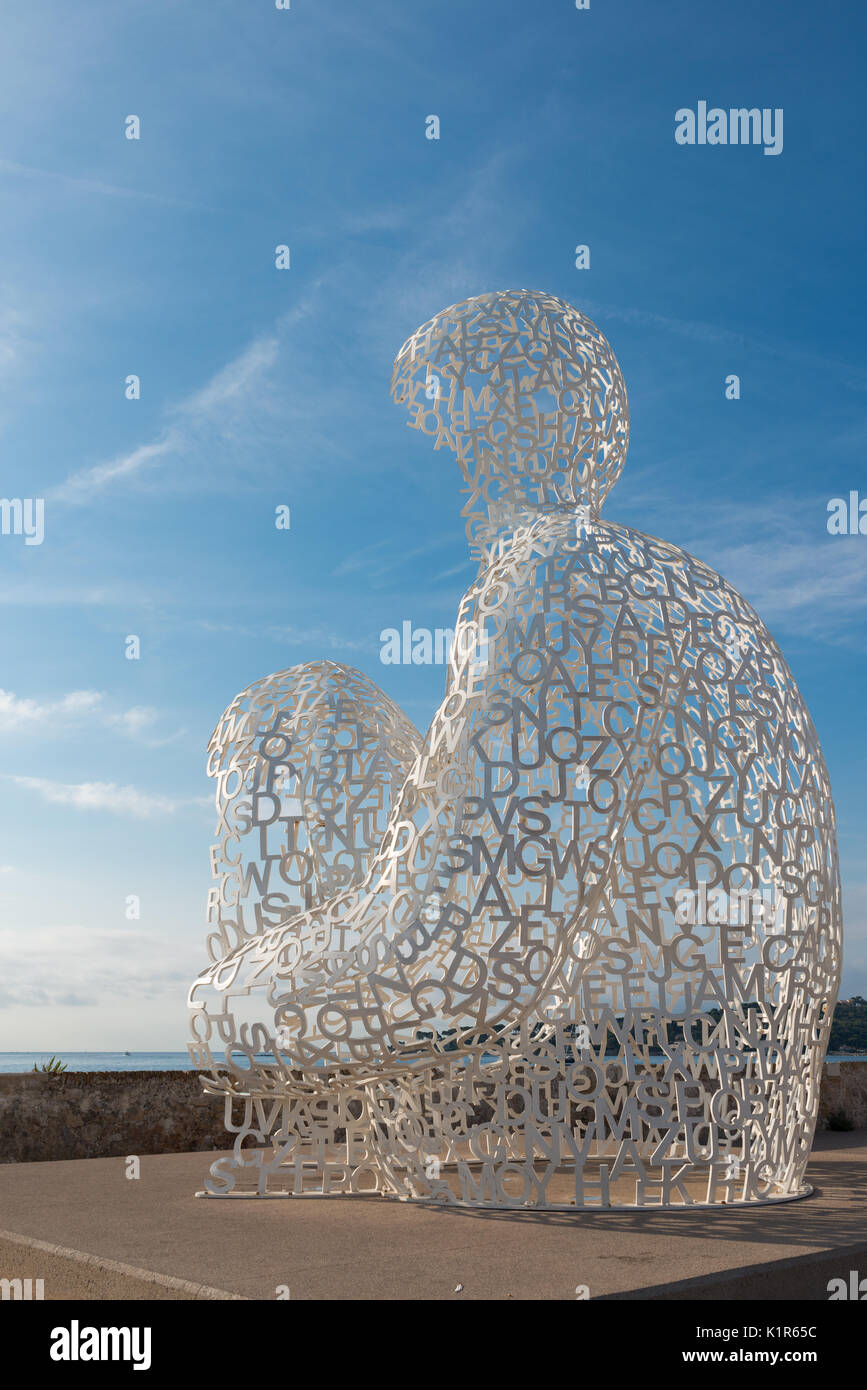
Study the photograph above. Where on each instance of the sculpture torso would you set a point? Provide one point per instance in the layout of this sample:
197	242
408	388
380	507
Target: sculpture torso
634	733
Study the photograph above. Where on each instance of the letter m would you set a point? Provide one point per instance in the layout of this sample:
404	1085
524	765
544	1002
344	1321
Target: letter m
742	121
606	1123
235	723
115	1341
10	1289
9	508
484	1189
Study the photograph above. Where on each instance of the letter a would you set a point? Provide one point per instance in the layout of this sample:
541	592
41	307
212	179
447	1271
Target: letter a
838	523
60	1338
684	128
717	127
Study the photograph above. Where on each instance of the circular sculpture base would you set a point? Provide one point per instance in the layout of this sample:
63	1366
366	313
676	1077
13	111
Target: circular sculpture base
806	1190
544	1125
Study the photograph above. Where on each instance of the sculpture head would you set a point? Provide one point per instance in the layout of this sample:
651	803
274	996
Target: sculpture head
528	395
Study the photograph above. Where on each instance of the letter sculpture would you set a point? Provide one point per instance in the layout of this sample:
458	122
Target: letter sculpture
578	946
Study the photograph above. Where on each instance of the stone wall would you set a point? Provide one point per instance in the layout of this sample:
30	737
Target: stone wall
105	1114
114	1113
844	1091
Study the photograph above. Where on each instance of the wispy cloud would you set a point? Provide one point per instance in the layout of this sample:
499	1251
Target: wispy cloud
715	334
23	715
17	713
232	391
231	382
30	593
385	556
107	796
12	336
237	402
79	486
85	185
312	638
48	967
308	638
137	721
778	554
467	567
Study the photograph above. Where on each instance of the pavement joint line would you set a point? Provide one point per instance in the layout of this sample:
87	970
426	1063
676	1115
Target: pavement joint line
148	1276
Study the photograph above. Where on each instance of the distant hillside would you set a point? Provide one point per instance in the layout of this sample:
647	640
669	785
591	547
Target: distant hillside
849	1029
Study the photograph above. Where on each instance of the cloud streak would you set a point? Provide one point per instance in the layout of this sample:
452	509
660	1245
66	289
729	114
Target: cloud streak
72	181
713	334
230	407
226	404
78	487
22	715
107	796
49	967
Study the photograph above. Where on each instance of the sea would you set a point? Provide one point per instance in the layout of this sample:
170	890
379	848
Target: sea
175	1061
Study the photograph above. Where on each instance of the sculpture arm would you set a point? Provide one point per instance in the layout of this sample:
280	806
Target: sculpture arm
494	855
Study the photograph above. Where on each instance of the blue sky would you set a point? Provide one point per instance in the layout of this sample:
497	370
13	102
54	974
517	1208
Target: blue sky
262	387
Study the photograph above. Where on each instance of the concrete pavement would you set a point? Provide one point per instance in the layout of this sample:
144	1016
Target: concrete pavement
90	1232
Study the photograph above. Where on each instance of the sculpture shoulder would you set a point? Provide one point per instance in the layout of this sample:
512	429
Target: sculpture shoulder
580	596
610	562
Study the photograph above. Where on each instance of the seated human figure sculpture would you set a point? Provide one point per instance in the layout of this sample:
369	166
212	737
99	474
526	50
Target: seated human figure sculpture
580	944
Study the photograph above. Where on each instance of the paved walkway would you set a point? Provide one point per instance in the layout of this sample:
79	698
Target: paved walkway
90	1232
